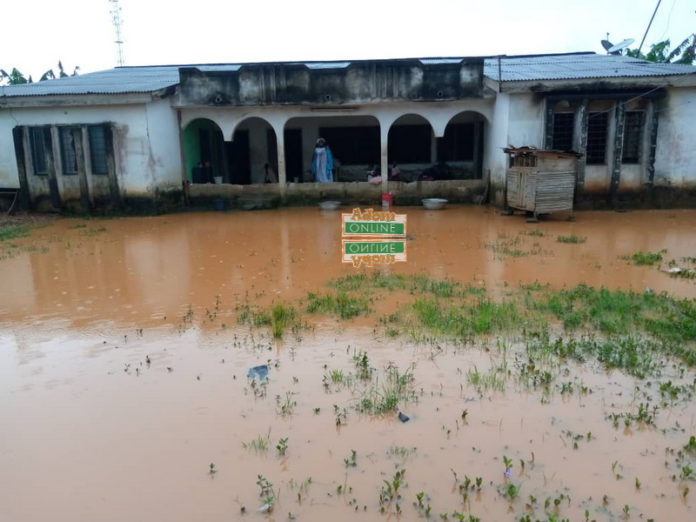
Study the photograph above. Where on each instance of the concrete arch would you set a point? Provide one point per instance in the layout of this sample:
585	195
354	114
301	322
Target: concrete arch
252	119
202	139
408	115
411	140
462	116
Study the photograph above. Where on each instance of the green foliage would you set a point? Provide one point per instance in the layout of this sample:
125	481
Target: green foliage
341	304
647	258
571	239
684	53
13	232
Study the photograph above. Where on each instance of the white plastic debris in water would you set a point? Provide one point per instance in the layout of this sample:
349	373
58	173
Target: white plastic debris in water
674	270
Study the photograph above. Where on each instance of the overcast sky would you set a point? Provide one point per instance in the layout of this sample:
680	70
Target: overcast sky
35	34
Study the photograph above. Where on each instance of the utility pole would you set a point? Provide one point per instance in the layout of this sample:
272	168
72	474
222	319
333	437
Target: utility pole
116	21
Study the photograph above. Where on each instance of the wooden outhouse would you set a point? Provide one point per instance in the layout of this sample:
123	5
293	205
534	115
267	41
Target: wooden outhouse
540	181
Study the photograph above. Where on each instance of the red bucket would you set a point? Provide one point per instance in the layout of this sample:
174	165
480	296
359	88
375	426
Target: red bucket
387	200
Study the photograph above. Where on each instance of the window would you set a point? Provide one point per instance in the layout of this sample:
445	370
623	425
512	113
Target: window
97	149
597	138
410	143
67	150
563	124
353	145
457	144
38	138
633	136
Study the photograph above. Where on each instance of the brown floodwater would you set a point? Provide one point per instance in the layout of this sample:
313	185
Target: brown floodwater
89	430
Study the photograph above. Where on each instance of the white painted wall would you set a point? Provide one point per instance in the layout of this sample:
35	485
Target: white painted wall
675	159
146	141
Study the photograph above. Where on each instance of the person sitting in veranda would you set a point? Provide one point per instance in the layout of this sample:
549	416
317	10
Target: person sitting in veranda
322	162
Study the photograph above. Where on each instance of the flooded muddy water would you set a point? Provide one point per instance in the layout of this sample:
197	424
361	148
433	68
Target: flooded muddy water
123	377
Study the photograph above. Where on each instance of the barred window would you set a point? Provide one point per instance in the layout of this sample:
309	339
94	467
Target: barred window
633	134
37	141
597	127
563	124
67	150
97	149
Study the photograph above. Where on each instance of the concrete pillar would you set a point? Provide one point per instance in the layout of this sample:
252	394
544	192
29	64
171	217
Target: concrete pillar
282	175
384	162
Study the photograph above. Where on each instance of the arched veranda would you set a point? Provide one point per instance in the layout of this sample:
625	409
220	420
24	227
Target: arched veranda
354	142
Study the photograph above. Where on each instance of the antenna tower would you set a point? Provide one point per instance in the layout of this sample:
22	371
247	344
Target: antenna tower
116	21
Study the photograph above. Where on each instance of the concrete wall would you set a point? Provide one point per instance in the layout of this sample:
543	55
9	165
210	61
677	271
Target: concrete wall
145	139
675	160
365	81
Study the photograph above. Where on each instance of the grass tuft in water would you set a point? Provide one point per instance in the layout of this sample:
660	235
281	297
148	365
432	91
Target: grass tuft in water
341	304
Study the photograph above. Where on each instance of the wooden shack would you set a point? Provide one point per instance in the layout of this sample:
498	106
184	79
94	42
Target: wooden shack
540	181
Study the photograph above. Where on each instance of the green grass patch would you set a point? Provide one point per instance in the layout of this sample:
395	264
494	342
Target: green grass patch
13	232
279	318
571	239
647	258
340	304
465	321
414	284
621	312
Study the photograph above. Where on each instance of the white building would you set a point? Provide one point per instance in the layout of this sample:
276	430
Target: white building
149	137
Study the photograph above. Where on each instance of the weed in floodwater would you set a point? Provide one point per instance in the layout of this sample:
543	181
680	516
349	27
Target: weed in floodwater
212	470
686	472
422	504
401	452
397	387
282	446
341	415
286	405
510	247
571	239
389	493
691	445
494	379
350	462
341	304
281	317
534	232
267	494
259	444
646	258
362	366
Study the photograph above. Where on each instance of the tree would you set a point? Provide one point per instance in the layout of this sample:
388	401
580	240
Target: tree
684	53
13	78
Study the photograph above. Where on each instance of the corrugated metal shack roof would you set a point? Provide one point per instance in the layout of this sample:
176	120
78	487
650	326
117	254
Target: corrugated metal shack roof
578	66
142	79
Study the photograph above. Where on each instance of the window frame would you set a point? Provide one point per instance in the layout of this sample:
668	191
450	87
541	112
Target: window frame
69	165
633	137
37	135
103	164
592	149
568	136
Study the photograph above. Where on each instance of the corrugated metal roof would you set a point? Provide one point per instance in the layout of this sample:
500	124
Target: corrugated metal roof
578	66
113	81
522	68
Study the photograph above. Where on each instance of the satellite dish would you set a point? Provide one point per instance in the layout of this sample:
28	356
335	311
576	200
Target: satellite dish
607	44
616	49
